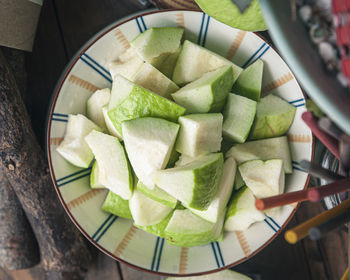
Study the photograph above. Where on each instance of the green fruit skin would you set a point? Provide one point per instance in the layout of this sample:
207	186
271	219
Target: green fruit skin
232	205
143	103
272	126
249	81
210	175
157	194
115	205
239	183
221	89
189	240
225	11
158	229
94	183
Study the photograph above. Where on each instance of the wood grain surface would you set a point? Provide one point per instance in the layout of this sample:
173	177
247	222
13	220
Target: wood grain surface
64	26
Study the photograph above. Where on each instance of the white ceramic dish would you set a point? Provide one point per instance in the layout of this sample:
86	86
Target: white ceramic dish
116	236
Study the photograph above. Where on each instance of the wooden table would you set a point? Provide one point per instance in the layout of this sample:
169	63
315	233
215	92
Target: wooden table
63	27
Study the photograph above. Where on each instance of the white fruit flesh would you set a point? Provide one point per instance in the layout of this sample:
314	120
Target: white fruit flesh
110	126
73	147
121	88
94	106
241	211
199	134
127	68
219	202
115	173
148	142
194	61
146	211
272	148
151	78
264	178
183	160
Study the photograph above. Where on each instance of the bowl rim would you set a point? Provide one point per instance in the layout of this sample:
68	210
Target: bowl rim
52	105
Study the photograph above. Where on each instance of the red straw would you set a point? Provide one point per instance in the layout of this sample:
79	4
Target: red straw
281	199
316	194
328	141
313	194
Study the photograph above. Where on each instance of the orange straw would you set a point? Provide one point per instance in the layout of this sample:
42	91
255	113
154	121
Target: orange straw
292	236
346	275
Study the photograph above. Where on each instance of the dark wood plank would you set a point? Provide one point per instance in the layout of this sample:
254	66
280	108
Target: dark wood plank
103	267
130	273
279	260
44	66
81	19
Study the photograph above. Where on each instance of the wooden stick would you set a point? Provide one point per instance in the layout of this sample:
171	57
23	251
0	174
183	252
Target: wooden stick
320	172
280	200
317	193
18	246
299	232
318	232
328	141
63	251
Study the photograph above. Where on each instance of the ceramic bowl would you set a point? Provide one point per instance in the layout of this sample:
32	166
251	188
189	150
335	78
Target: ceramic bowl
117	237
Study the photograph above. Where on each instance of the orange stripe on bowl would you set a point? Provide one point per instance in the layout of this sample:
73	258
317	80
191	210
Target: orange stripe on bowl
243	243
83	198
56	141
277	83
180	19
122	39
235	44
301	138
82	83
125	241
183	260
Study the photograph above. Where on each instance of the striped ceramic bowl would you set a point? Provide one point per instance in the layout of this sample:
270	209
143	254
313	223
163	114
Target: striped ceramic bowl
118	237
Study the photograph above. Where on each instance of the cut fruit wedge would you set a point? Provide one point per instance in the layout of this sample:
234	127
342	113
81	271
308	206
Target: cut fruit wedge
115	173
208	93
249	82
241	212
199	134
121	89
239	115
222	275
272	148
146	211
187	229
148	143
194	184
115	205
218	204
127	68
239	183
168	65
183	160
94	106
73	147
194	61
110	126
159	228
263	178
157	194
141	102
95	181
273	118
155	44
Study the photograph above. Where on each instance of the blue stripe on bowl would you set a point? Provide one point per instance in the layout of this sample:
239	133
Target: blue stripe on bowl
215	255
297	100
144	24
101	226
270	225
138	24
73	174
160	254
60	115
261	54
220	254
201	29
59	120
155	253
296	166
74	179
95	67
253	55
106	228
206	31
274	222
